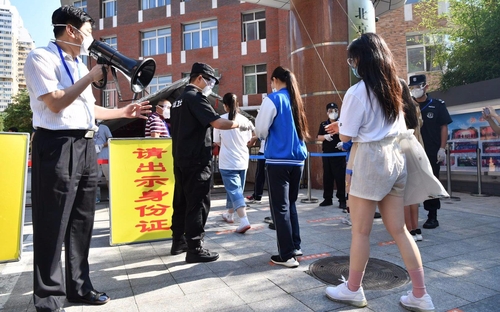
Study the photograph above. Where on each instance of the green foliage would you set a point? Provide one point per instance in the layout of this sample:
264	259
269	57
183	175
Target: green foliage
473	51
19	113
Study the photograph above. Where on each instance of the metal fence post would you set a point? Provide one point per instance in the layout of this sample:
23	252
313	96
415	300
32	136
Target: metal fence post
309	199
479	173
448	173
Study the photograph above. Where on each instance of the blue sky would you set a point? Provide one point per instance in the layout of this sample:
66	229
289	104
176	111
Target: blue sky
37	15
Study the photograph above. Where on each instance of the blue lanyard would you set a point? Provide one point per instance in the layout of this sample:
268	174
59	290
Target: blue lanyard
65	65
430	101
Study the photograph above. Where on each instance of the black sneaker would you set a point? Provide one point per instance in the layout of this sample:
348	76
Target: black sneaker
342	205
268	220
272	226
377	215
290	263
431	224
178	246
326	202
201	254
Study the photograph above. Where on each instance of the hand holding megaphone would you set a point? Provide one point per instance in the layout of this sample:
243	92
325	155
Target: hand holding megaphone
98	74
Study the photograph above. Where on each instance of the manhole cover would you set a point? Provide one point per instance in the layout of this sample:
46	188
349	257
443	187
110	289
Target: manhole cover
379	274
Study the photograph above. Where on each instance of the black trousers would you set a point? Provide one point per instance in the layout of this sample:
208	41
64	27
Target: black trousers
284	182
64	184
191	203
432	205
334	170
260	178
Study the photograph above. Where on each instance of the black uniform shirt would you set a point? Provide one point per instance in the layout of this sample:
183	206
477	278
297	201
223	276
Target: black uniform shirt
435	115
329	146
191	115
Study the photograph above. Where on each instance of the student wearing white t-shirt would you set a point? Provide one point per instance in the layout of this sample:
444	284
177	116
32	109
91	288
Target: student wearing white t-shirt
233	162
372	114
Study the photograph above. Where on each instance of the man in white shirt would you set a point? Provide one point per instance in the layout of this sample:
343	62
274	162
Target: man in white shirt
64	162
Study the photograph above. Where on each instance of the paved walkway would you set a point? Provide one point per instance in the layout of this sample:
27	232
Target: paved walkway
461	260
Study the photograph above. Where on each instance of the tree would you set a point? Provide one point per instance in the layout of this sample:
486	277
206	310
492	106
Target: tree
472	52
19	113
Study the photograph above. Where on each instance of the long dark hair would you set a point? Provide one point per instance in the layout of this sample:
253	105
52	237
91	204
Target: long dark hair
298	110
409	107
231	101
376	67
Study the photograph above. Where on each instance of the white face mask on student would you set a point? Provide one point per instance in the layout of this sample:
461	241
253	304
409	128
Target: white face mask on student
84	46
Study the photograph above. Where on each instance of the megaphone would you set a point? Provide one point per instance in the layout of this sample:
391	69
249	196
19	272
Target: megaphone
140	73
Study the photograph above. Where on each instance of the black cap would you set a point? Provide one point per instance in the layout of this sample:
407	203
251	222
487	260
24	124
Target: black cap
202	68
331	105
417	79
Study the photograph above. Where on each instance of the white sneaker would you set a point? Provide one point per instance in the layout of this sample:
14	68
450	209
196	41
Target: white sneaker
346	221
411	303
290	263
418	234
342	294
227	217
298	253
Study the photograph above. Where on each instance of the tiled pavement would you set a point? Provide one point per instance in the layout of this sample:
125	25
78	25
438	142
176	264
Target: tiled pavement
461	261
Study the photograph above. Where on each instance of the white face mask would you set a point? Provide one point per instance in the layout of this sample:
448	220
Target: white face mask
166	110
208	88
87	41
417	93
333	116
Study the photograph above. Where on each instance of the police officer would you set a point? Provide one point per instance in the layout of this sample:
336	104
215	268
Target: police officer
333	167
192	117
434	133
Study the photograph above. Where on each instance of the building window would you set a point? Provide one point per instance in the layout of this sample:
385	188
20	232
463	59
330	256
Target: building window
81	4
158	83
148	4
200	35
255	78
157	41
108	8
109	95
420	51
112	41
254	26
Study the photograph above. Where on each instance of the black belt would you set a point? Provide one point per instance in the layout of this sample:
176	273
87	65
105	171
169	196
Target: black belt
87	134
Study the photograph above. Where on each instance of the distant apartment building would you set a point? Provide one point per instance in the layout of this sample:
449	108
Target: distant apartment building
15	44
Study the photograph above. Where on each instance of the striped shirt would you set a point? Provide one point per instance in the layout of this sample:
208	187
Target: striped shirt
156	124
45	72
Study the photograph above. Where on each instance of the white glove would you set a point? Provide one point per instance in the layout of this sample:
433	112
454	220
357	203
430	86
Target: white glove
441	156
246	125
328	137
340	145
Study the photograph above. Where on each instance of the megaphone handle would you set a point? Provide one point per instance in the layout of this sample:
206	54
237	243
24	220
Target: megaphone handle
117	85
102	83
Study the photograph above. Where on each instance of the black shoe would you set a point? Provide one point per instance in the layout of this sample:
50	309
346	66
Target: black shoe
200	254
178	246
342	205
94	297
58	310
271	226
268	220
431	224
377	215
326	202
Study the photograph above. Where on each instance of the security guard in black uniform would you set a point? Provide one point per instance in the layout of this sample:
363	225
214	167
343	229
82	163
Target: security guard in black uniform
191	120
435	135
333	167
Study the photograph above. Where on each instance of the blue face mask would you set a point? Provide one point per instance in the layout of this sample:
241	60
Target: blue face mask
355	72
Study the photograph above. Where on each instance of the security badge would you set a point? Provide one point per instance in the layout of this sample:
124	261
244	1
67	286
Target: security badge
430	115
